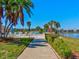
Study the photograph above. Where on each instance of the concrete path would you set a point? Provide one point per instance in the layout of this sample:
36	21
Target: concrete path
38	49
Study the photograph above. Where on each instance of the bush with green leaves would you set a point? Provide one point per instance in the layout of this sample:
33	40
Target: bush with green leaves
25	41
60	46
41	30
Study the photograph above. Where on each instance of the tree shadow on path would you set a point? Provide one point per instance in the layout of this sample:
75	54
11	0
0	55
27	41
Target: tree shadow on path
37	43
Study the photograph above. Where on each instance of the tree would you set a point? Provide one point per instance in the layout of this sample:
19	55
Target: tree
29	25
12	10
38	28
46	26
41	30
54	25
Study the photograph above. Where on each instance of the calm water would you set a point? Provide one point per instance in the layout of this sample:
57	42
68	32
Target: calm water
74	35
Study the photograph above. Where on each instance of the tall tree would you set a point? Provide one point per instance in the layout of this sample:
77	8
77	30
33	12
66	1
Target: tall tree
54	25
12	10
29	25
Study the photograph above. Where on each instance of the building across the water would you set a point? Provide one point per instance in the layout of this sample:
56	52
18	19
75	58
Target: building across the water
70	31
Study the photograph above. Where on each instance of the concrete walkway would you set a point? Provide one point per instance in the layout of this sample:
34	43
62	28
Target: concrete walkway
38	49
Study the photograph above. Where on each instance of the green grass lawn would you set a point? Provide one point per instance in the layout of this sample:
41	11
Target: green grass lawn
73	43
13	50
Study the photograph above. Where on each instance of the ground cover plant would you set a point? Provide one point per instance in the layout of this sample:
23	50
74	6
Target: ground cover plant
11	50
60	46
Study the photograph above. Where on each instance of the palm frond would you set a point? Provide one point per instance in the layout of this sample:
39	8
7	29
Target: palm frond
14	9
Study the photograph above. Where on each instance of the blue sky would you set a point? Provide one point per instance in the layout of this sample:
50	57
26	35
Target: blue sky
66	12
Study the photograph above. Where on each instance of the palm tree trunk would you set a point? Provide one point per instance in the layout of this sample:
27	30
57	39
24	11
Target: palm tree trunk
29	28
8	30
0	29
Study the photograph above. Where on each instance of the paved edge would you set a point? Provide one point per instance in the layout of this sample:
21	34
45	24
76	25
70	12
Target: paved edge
54	51
23	50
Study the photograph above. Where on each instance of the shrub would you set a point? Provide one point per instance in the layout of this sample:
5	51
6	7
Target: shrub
60	46
25	41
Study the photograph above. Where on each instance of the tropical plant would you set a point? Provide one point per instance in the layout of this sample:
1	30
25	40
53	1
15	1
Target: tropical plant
12	10
46	26
54	25
38	28
29	25
60	46
41	30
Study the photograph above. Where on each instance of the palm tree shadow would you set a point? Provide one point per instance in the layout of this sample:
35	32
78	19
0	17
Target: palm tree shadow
37	43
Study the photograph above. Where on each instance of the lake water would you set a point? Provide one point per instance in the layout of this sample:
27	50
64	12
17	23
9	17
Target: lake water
74	35
35	33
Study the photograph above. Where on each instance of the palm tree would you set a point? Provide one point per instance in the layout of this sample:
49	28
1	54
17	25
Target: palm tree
13	10
58	25
54	25
29	25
